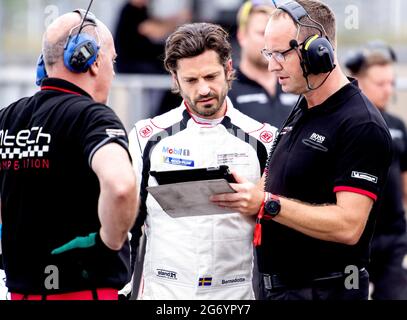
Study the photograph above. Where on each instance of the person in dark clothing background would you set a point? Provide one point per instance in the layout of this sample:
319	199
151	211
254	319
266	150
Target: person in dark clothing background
373	66
255	91
140	37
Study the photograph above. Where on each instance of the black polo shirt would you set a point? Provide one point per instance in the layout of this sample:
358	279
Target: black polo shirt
391	216
341	145
49	193
252	99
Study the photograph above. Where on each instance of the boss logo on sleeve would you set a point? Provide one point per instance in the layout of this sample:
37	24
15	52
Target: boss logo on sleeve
364	176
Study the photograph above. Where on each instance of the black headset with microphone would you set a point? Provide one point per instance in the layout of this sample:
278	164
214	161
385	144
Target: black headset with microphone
317	53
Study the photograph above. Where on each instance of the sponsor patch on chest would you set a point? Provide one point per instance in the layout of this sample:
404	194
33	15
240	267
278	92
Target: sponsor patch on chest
317	138
179	161
316	141
177	156
233	158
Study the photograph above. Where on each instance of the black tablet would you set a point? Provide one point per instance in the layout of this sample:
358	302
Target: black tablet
168	177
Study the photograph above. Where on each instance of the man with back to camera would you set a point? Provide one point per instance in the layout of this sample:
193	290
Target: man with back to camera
68	190
207	256
255	91
374	68
316	203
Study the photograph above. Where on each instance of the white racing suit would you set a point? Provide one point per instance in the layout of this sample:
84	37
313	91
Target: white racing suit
198	257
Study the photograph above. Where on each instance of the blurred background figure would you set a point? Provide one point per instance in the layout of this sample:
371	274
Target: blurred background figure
373	66
256	91
142	27
141	30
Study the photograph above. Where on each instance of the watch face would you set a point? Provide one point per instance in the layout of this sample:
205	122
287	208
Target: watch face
272	207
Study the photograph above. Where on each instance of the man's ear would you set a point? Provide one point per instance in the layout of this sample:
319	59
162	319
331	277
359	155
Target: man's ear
241	37
95	67
175	81
229	69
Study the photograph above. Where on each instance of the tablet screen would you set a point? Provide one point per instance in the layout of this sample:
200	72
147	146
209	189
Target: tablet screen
175	176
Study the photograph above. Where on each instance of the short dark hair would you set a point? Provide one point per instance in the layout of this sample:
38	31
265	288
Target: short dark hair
371	60
319	12
191	40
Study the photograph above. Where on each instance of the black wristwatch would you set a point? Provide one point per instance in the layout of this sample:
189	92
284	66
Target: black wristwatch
272	206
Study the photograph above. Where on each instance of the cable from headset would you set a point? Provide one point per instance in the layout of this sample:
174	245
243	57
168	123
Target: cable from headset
294	112
320	27
83	20
311	88
305	74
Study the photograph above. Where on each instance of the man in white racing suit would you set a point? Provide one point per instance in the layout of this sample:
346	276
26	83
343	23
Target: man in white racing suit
208	256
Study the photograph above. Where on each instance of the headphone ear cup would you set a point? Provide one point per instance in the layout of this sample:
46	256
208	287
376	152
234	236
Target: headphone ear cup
355	61
80	53
41	71
318	55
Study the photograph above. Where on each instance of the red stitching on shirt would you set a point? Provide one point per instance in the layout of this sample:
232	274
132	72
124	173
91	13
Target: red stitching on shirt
60	89
356	190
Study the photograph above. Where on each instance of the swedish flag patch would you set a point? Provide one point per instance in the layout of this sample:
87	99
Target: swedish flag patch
205	282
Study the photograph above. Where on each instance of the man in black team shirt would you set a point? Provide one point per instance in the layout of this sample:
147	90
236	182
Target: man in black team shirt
68	191
316	205
373	67
255	91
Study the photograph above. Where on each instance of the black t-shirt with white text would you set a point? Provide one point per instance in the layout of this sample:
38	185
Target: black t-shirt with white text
49	193
341	145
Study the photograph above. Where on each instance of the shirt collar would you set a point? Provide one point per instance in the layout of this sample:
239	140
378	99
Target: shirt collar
335	100
56	84
209	123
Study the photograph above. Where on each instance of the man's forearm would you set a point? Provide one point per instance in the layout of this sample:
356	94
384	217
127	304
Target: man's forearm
117	213
331	222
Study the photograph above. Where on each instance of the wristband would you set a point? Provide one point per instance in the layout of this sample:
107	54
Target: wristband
78	242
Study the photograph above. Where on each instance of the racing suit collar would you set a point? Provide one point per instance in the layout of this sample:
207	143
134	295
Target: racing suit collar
202	122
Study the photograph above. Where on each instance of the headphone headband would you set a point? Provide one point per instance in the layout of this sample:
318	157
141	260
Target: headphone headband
80	51
294	9
317	54
86	17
